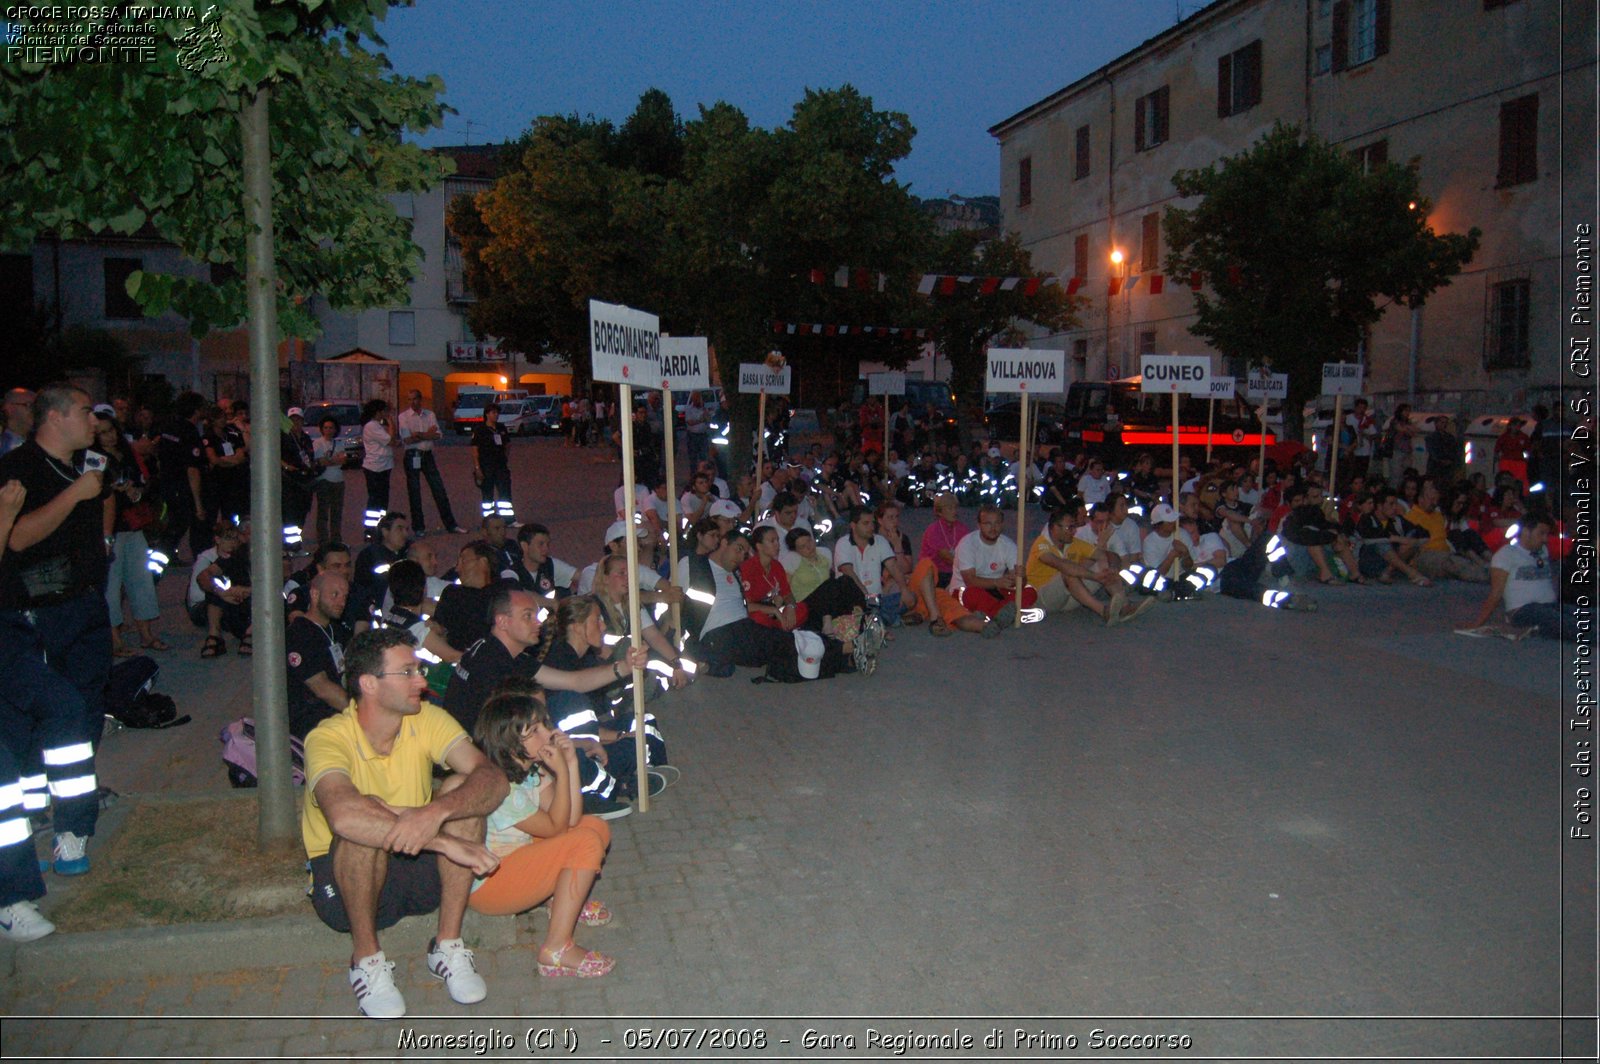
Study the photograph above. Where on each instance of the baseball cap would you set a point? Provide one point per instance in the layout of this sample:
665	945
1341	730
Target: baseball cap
1162	514
105	410
619	529
723	508
295	411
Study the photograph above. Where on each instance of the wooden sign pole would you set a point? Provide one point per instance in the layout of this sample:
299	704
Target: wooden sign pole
631	540
1176	482
1022	506
671	442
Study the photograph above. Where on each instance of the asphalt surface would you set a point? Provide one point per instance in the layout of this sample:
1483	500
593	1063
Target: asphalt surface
1271	834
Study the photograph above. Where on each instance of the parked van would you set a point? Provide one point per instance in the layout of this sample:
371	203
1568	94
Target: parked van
468	413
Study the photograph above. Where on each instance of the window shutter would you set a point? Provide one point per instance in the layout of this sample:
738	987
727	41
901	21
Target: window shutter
1080	255
1377	154
1025	182
1082	164
1161	115
1251	90
1381	31
1225	86
1150	243
1341	35
1138	124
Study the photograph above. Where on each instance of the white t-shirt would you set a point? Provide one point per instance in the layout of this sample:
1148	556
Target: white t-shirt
415	422
783	533
868	563
1529	577
202	562
644	499
1125	538
991	561
379	456
729	605
691	509
649	579
1156	546
1094	490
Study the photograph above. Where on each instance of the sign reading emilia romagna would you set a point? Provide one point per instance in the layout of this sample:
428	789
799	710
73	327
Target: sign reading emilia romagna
1022	369
684	364
758	377
1188	374
624	345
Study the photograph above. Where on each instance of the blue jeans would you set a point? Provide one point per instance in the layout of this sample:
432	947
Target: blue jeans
1553	619
889	609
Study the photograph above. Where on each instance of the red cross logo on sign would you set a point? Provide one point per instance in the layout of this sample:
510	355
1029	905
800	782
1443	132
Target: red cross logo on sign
1238	435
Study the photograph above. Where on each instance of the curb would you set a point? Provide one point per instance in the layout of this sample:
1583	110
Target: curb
265	942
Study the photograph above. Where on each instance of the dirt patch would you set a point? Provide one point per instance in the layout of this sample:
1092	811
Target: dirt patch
182	862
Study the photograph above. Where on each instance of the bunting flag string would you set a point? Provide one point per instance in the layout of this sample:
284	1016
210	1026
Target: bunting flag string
946	284
812	328
857	277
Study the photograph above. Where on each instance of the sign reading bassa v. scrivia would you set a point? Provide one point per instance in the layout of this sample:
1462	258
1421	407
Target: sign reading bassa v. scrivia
1022	369
758	377
624	345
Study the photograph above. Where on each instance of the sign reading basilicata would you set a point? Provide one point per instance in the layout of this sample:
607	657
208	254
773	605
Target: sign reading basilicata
684	363
1260	386
1185	374
758	377
1022	369
624	345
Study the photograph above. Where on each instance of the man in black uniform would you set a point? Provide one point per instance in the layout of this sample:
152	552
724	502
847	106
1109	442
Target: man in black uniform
314	648
181	456
55	570
491	470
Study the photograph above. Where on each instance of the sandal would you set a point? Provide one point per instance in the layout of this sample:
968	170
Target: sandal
939	628
246	648
1421	581
215	646
156	643
593	965
594	914
911	620
122	650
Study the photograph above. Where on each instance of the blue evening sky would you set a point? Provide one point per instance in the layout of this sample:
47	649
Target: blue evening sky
954	68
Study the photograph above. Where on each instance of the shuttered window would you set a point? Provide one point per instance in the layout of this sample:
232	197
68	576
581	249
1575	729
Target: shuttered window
1150	120
1080	166
1239	80
1080	255
1025	182
1150	243
1519	142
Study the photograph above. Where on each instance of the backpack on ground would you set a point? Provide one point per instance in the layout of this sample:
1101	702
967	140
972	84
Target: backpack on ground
239	754
131	697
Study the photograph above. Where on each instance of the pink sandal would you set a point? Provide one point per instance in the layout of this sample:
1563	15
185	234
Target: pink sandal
593	966
594	914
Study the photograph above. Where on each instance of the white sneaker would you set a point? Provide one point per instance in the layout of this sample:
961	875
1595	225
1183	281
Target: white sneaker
372	979
22	922
451	961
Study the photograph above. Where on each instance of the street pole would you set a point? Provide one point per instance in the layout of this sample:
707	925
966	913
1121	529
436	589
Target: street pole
1022	505
276	823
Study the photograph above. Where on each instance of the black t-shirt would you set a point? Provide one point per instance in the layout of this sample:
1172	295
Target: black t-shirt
1308	526
70	560
491	445
179	450
463	613
372	556
480	670
311	649
1370	529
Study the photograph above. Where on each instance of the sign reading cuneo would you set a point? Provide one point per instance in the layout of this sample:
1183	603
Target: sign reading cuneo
685	364
1186	374
624	345
890	383
758	377
1260	386
1022	369
1341	378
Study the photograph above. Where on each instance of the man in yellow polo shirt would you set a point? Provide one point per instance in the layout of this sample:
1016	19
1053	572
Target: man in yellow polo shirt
1062	567
1438	560
384	843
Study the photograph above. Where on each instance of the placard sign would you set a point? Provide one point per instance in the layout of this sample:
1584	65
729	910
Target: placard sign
624	345
757	377
891	383
684	363
1259	386
1341	378
1188	374
1022	369
1222	388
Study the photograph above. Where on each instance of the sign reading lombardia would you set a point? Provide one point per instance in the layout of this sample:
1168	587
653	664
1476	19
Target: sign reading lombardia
1022	369
624	345
685	363
758	377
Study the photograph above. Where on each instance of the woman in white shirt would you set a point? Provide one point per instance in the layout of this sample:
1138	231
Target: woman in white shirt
377	461
327	454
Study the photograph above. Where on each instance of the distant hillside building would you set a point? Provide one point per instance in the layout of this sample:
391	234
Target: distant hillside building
1477	95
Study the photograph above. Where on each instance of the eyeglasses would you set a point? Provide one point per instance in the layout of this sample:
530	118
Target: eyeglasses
409	672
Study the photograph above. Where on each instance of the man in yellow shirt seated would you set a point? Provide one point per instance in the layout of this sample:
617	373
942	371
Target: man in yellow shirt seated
384	843
1438	560
1062	568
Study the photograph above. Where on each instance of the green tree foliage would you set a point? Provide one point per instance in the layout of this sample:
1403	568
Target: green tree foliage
154	148
1314	243
968	322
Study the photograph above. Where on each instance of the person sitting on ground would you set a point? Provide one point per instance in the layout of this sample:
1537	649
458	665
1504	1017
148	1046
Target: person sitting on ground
538	570
716	621
864	556
329	557
314	648
985	566
697	498
463	614
1313	535
1127	539
385	843
1060	486
1437	559
497	534
1064	584
1522	584
1387	546
547	847
225	583
1095	485
370	571
940	540
1167	550
941	608
1462	531
767	595
785	515
808	565
611	592
653	588
1233	516
888	514
407	598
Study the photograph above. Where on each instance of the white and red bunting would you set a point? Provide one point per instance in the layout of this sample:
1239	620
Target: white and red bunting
857	277
817	328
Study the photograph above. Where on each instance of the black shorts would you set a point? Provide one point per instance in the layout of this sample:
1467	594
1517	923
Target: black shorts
411	888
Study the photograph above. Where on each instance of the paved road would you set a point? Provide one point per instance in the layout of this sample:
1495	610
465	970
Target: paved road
1218	811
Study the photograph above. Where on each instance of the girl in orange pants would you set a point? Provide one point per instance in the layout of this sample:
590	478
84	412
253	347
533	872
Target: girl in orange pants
547	847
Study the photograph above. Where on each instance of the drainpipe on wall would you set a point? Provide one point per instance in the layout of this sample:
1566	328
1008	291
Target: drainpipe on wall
1416	353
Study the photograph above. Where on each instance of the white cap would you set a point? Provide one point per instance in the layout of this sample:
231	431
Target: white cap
295	411
723	508
994	452
1162	514
105	408
619	529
